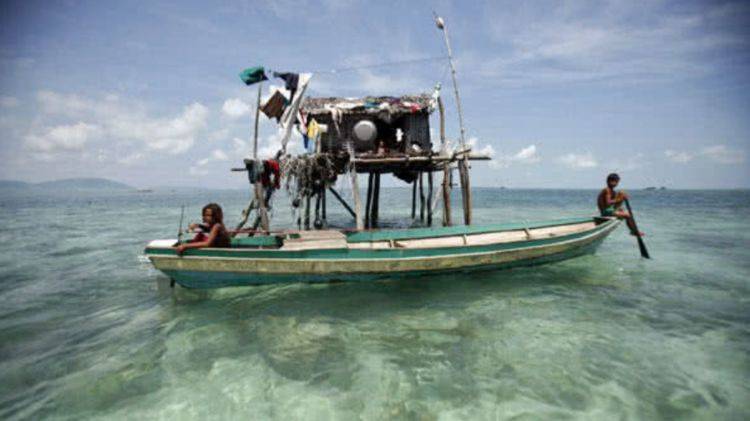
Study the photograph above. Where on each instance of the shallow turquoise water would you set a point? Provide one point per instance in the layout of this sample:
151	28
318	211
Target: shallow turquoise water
90	330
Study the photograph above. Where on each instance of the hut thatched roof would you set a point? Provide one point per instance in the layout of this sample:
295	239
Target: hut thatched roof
406	104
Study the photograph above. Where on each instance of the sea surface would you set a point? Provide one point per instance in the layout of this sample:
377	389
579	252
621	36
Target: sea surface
89	330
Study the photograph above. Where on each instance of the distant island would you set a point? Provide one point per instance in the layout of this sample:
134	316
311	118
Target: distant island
66	184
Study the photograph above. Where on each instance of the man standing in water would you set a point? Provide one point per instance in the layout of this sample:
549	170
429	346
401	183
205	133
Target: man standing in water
609	203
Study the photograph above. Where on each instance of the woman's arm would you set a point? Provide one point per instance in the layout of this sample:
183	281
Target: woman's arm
200	244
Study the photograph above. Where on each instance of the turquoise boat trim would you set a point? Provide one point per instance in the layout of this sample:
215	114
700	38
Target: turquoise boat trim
257	241
419	233
345	253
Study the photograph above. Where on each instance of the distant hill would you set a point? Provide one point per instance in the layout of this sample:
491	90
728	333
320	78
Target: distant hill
13	184
67	184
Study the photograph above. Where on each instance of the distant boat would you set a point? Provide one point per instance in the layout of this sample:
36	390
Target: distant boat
145	191
650	188
326	255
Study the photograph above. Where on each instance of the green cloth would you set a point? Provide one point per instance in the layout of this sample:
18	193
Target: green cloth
253	75
609	211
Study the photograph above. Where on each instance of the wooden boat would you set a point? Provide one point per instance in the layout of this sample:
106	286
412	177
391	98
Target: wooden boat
326	255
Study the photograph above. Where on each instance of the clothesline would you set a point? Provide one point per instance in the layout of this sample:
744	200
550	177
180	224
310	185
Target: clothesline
384	64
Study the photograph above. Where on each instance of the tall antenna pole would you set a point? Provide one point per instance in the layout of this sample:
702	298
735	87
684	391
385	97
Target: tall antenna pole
441	25
463	167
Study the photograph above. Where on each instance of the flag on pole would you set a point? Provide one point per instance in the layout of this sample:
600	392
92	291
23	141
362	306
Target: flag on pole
253	75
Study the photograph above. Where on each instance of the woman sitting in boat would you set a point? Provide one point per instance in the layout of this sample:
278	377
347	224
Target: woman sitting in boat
610	202
213	223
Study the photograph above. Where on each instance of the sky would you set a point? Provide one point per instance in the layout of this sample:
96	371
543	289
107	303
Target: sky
559	93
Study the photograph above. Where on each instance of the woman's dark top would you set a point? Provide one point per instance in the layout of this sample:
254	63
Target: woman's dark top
222	238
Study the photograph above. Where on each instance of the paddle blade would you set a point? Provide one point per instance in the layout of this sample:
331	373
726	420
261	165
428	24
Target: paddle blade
642	246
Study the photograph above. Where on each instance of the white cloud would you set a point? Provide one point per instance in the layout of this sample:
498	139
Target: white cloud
720	154
235	108
131	159
219	155
723	155
218	135
199	168
122	121
8	102
178	134
579	161
272	144
63	138
678	156
526	156
572	42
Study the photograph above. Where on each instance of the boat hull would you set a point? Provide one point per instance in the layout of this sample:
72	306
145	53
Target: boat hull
228	267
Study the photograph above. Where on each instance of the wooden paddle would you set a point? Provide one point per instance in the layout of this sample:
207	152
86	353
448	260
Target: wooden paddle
641	244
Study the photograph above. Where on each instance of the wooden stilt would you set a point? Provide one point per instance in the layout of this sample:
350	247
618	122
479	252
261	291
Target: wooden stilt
368	202
317	212
414	199
355	189
323	194
375	202
429	196
446	169
447	196
421	197
307	212
465	190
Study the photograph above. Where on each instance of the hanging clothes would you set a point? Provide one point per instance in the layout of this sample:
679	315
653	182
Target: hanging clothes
254	169
271	168
253	75
274	107
313	133
291	79
291	113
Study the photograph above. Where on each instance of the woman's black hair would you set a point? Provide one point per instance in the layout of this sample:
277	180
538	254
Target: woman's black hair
216	212
613	177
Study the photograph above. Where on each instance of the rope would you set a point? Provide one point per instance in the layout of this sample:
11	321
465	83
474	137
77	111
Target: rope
376	65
